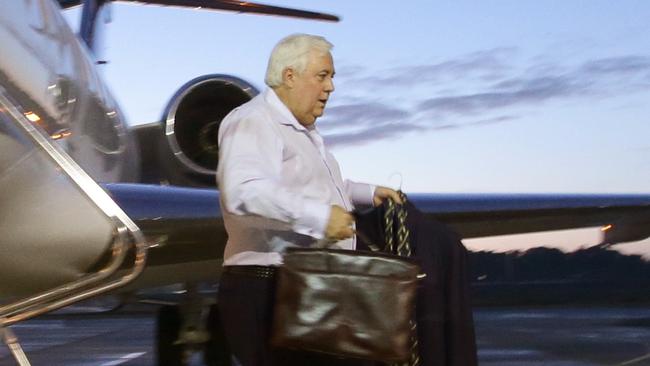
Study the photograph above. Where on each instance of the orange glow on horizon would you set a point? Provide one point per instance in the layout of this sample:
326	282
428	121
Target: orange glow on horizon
606	227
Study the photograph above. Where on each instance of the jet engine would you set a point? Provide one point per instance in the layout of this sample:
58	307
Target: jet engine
187	154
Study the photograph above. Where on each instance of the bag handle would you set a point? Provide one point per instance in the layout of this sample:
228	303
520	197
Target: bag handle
395	212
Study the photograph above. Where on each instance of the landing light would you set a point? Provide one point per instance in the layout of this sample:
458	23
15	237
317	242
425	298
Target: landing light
60	134
606	227
33	117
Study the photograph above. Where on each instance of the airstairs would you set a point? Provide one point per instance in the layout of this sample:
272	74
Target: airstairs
62	238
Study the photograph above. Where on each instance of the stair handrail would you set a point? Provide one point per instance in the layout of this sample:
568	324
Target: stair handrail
126	236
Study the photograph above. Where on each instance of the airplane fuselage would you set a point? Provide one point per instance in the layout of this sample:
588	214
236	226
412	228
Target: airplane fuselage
50	76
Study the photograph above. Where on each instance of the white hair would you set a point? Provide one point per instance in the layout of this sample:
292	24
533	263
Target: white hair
293	52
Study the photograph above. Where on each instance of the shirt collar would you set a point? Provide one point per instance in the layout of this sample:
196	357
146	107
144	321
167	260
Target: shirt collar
287	117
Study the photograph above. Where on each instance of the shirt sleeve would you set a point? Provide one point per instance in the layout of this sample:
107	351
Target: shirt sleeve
359	193
249	176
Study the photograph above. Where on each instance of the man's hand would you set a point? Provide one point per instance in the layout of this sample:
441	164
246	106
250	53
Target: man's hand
383	193
339	226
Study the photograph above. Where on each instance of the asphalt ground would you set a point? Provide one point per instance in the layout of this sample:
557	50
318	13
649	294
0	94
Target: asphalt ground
577	336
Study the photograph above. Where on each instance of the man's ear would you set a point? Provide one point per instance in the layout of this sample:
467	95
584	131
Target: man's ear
288	76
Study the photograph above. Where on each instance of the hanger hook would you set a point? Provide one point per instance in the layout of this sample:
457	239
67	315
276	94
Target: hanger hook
401	179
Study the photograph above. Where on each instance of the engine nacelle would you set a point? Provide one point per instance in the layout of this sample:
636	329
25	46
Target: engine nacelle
189	152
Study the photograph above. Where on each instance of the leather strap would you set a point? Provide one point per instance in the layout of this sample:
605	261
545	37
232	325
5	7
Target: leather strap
251	271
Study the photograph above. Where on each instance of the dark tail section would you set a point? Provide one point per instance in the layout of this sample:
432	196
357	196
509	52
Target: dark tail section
243	7
92	7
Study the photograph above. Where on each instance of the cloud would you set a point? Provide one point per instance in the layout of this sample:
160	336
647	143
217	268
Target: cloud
488	84
364	122
625	74
372	113
505	94
395	130
618	65
489	121
486	64
371	134
603	77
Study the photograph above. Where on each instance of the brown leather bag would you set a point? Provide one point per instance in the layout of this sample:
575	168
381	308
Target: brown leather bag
346	303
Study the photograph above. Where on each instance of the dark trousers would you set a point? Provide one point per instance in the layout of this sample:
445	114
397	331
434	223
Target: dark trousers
246	307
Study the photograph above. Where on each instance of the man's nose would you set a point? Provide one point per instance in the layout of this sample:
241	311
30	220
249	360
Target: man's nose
329	86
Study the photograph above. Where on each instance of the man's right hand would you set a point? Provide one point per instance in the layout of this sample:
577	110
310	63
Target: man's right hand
339	226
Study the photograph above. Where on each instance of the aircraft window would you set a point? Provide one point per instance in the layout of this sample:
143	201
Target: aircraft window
101	126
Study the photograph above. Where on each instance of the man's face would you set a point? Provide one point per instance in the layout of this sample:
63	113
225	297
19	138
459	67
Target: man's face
312	88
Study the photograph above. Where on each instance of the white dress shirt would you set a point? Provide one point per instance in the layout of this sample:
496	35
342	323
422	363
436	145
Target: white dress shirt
277	183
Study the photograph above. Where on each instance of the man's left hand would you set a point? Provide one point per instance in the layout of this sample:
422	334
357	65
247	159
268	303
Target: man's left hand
383	193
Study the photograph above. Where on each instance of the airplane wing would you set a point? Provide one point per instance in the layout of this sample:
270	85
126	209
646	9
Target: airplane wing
226	5
623	217
184	226
189	219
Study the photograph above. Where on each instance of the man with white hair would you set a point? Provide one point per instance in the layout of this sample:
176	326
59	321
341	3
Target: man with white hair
280	187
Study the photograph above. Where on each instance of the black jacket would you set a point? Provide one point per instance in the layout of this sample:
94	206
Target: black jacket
444	313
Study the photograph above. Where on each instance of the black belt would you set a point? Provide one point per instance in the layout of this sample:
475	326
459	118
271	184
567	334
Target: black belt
251	271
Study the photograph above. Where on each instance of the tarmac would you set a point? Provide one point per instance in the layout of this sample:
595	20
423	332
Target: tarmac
578	336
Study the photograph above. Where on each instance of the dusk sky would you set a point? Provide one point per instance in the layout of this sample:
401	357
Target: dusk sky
444	96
